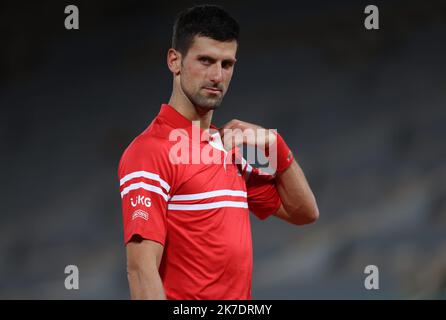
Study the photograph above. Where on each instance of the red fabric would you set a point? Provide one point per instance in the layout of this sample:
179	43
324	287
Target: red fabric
263	198
280	154
198	212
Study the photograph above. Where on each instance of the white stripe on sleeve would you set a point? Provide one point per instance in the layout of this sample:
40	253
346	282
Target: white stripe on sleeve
145	174
145	186
205	206
209	194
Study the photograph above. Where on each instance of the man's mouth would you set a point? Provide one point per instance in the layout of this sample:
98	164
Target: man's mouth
212	89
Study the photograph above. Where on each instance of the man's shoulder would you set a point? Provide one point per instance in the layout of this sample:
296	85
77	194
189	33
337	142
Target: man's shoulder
146	143
146	151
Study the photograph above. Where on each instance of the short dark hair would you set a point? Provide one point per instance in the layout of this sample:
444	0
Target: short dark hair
204	20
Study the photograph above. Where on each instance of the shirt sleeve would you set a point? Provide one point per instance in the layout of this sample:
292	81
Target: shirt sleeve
145	183
263	197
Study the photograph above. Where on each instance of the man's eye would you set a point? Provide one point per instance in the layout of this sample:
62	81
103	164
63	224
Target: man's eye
205	61
227	65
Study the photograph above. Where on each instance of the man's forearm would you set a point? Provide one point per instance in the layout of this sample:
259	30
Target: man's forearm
296	195
146	285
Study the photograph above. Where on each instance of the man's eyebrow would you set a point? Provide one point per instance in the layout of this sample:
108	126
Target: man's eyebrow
204	56
230	60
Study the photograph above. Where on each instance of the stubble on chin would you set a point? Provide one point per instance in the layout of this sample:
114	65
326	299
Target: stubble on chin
205	102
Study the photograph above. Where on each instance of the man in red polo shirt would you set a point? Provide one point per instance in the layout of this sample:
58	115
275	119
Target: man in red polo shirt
186	189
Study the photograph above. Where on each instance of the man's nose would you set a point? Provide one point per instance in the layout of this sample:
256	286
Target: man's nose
216	75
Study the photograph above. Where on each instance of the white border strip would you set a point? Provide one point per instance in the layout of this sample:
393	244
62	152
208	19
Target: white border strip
145	186
205	206
145	174
209	194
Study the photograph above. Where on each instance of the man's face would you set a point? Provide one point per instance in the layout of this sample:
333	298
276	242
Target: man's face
206	71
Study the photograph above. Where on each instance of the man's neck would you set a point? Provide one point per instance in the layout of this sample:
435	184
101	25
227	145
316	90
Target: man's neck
189	111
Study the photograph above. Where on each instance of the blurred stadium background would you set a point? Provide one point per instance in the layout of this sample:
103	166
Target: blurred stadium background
365	112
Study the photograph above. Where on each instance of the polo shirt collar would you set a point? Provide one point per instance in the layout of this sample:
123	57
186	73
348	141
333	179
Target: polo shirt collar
170	115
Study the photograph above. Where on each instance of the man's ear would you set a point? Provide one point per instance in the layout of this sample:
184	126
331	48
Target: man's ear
174	61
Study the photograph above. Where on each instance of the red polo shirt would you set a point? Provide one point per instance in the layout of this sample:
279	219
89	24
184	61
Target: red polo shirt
179	189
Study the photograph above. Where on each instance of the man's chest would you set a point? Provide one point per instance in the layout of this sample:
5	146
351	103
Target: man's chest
224	179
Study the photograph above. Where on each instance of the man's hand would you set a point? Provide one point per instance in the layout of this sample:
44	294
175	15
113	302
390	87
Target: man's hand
298	202
236	132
